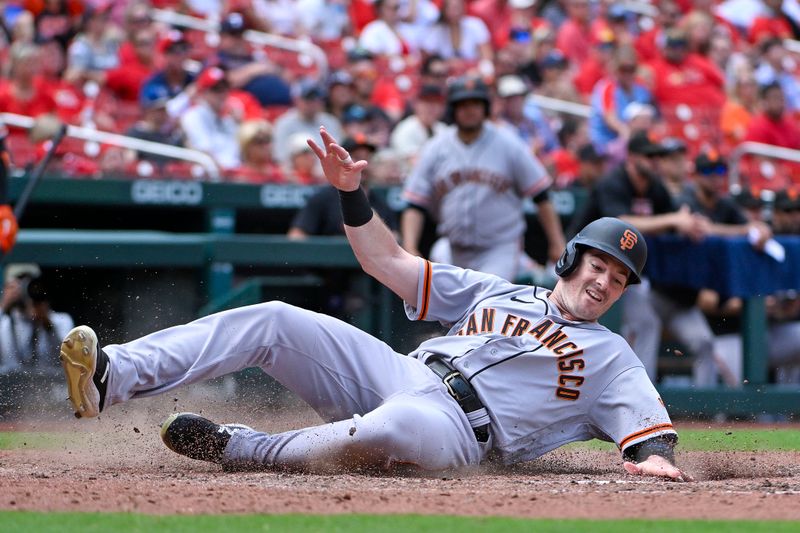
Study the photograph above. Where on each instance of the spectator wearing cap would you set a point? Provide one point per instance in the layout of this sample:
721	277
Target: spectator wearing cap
246	71
786	211
774	125
672	164
599	62
523	116
388	35
94	51
574	35
458	36
612	95
773	68
255	146
155	125
681	77
556	78
341	93
304	118
30	331
207	126
173	78
322	215
412	132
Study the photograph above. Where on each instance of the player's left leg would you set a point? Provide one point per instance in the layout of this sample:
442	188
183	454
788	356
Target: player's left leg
424	429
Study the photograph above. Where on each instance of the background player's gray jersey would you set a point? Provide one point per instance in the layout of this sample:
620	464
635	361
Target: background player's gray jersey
475	190
544	380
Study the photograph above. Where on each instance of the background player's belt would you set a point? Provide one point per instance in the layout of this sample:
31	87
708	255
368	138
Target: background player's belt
463	393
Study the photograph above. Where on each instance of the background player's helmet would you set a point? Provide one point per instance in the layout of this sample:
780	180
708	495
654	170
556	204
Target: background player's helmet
467	88
612	236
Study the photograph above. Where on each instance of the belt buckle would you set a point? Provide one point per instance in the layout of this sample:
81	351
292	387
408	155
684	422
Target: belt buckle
447	383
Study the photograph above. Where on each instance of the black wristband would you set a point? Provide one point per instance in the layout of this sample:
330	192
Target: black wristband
663	445
356	210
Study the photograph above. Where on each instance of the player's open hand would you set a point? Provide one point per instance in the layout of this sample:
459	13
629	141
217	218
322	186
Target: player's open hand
340	169
657	466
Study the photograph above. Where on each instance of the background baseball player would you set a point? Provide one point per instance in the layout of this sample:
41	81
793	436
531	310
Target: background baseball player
521	371
471	178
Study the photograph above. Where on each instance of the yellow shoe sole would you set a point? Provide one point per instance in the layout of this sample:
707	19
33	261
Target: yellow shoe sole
79	359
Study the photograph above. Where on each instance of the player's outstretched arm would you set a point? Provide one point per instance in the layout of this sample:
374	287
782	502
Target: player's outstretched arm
657	466
373	243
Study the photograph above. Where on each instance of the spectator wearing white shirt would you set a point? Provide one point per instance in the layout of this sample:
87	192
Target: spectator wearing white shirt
413	131
207	126
387	35
305	118
458	36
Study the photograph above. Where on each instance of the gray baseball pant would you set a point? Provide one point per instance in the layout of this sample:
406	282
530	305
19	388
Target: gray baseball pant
380	407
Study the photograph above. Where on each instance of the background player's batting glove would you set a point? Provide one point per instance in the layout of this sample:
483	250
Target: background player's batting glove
8	228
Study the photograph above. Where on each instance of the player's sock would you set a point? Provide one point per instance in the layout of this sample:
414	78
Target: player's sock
100	378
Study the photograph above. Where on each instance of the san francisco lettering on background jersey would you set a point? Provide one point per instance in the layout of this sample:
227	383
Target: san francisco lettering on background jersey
544	380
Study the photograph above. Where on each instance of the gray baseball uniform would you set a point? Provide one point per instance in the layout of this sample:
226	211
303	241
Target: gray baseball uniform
475	193
544	381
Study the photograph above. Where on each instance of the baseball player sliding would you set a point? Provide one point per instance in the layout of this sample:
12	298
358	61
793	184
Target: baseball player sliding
522	370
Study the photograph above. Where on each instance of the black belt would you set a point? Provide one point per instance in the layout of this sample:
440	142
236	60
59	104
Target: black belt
461	391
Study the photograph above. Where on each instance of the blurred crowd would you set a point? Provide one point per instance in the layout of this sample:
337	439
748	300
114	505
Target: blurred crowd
711	74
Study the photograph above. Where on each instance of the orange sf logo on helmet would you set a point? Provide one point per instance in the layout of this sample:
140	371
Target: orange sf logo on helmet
628	240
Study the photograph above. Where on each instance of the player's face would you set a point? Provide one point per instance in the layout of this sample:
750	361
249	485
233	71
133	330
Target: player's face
593	288
469	114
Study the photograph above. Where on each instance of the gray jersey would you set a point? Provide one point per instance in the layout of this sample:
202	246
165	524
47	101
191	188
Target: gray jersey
475	190
544	380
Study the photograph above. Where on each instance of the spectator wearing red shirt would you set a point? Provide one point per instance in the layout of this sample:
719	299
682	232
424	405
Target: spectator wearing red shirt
680	77
26	92
649	43
772	24
127	79
773	125
599	63
574	35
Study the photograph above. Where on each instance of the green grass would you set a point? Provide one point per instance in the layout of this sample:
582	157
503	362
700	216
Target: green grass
690	440
87	523
724	440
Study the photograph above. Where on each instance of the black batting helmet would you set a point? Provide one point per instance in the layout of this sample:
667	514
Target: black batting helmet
467	88
613	236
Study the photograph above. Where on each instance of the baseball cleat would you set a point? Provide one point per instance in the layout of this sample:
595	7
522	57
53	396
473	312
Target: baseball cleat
79	359
197	437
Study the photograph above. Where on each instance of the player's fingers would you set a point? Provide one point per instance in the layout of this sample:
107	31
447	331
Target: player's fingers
327	138
358	166
317	150
340	152
632	468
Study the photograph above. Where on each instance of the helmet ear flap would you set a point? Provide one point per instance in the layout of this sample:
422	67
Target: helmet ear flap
568	261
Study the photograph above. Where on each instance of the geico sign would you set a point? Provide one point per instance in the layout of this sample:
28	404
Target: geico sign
285	197
167	192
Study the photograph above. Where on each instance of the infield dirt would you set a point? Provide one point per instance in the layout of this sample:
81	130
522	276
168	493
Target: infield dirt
118	463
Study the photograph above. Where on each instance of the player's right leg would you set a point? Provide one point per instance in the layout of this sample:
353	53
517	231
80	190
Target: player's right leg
338	369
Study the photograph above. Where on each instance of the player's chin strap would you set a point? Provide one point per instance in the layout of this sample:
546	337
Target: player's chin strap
662	445
463	393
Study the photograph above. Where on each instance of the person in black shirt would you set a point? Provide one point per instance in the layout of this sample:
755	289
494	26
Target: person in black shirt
322	214
635	193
